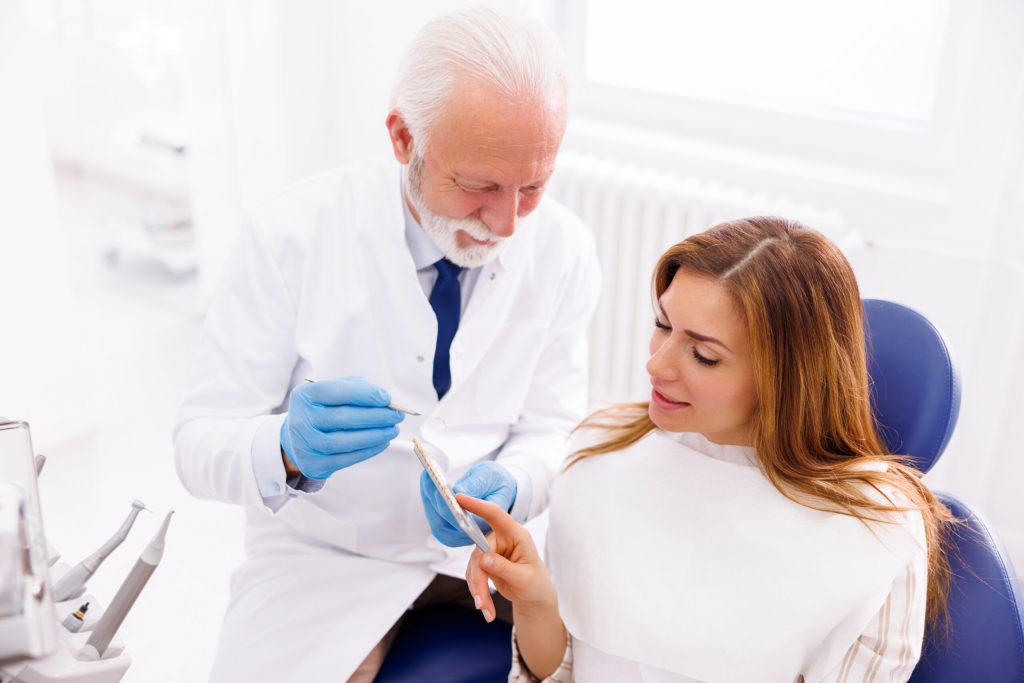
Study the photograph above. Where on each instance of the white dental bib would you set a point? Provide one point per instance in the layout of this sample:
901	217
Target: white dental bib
679	554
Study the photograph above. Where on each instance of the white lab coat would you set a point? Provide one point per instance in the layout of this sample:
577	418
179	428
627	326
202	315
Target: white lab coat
323	285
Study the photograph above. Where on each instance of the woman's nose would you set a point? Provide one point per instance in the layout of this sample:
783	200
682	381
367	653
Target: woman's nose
660	365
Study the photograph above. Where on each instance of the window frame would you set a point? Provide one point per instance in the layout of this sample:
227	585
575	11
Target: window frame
861	140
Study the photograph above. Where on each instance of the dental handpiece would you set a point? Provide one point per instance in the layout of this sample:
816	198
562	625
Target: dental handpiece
126	595
72	584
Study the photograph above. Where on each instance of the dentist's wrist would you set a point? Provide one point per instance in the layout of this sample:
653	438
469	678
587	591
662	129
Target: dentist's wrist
289	466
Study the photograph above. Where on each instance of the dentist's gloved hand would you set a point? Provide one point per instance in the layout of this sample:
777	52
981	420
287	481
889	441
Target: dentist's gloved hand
336	423
486	480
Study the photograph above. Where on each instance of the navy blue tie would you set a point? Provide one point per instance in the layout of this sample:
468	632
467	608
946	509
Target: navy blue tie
446	300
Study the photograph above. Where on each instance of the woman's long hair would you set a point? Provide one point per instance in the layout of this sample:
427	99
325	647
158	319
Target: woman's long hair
813	429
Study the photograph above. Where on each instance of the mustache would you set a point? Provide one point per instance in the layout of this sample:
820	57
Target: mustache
475	228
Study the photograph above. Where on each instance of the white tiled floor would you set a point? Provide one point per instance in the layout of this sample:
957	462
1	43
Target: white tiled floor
131	341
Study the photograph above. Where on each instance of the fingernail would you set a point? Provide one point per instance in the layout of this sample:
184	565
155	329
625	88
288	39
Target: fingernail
486	562
487	615
476	601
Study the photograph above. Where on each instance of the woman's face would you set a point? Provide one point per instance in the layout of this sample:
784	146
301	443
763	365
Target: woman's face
702	377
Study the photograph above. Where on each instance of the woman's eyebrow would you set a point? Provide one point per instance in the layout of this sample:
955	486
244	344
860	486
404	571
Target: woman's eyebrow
696	335
705	338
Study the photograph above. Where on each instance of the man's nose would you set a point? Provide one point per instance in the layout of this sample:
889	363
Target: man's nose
501	214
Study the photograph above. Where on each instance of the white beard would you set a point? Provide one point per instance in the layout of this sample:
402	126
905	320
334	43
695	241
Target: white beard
444	231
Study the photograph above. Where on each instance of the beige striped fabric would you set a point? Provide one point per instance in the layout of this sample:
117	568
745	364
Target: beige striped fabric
890	646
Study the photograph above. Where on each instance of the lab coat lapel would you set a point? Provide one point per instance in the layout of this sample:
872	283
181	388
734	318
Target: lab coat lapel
467	428
412	332
412	326
493	295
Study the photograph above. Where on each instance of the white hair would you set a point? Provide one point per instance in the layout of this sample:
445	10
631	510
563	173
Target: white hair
515	54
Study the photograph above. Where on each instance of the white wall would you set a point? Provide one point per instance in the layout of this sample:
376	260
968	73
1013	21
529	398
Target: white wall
41	377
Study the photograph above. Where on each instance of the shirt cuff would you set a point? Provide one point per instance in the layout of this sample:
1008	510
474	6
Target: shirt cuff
520	673
524	493
300	482
267	465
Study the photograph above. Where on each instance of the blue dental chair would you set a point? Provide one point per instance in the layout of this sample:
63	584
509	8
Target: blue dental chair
916	399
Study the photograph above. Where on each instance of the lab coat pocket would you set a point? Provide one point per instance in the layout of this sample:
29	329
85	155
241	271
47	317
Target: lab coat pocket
507	370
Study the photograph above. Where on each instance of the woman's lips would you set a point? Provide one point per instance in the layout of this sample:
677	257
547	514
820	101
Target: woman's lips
666	403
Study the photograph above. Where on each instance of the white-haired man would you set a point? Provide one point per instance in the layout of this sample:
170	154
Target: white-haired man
441	283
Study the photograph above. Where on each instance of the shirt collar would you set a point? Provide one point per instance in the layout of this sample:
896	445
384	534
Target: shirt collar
424	252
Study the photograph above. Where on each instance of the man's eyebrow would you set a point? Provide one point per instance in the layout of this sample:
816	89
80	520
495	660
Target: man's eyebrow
696	335
477	180
473	180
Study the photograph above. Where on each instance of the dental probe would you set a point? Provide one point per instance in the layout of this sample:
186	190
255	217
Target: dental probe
393	406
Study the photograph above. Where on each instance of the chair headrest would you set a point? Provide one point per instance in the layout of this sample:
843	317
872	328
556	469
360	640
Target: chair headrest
915	385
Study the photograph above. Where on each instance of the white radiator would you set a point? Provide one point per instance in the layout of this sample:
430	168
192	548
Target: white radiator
636	214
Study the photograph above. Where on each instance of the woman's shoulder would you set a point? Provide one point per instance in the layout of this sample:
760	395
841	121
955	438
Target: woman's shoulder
896	518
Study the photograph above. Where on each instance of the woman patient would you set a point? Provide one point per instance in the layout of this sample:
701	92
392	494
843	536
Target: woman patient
745	524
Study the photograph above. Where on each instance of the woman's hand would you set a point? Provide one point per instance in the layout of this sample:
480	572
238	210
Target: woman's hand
515	566
516	569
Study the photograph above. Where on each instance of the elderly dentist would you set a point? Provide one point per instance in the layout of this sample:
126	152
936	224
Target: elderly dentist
441	282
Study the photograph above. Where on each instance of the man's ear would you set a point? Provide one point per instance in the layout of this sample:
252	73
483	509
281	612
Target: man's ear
401	138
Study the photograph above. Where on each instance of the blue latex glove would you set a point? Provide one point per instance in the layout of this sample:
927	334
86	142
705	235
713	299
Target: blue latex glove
336	423
485	480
